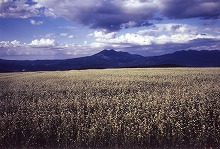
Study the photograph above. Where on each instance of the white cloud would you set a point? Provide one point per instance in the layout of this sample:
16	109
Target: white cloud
70	36
60	35
18	9
43	43
127	40
33	22
140	7
166	38
44	49
103	34
68	27
129	24
159	34
170	29
50	35
63	34
50	12
13	43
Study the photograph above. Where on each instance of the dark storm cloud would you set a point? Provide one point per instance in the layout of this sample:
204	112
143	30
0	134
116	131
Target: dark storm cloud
117	14
113	15
99	17
179	9
99	14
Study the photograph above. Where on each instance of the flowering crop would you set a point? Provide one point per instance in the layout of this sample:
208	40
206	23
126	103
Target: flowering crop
112	108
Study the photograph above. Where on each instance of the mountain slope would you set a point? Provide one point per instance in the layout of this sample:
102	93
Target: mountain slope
188	58
105	59
114	59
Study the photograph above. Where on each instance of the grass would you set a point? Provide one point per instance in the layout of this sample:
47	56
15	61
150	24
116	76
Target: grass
112	108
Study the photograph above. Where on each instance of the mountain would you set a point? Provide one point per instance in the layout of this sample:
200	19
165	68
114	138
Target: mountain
115	59
190	58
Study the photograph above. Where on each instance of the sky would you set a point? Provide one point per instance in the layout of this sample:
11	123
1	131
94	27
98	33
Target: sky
62	29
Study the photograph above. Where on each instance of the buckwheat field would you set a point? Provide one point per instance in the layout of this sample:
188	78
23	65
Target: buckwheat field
111	108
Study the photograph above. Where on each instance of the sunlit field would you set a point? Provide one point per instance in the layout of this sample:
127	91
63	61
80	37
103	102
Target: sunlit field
111	108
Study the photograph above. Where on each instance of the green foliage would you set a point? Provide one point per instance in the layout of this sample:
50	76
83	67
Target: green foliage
115	108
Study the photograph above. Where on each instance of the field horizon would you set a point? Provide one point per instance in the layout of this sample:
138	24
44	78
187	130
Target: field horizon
111	108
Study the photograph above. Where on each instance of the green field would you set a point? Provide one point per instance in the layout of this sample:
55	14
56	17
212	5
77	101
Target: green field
111	108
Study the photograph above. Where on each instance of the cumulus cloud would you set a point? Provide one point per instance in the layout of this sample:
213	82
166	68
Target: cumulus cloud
104	34
43	43
159	34
33	22
43	49
13	43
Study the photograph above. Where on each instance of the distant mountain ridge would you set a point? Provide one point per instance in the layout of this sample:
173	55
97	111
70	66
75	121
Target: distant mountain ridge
117	59
190	58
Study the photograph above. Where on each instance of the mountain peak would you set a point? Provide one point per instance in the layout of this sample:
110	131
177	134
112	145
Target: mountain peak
108	52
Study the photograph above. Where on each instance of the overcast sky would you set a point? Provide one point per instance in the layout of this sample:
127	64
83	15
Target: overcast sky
61	29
